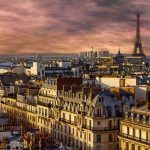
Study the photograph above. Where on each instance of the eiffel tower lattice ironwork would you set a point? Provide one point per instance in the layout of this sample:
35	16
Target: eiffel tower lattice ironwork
138	48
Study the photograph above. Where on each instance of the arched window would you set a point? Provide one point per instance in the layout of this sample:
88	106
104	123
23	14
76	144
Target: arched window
73	108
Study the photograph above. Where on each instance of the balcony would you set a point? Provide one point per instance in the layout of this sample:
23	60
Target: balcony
44	104
14	105
82	113
99	128
31	103
136	139
58	107
47	95
68	121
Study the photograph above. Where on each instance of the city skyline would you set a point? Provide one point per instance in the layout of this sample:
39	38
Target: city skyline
68	26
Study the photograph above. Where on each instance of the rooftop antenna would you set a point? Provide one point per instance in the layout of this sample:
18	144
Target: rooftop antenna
36	57
92	48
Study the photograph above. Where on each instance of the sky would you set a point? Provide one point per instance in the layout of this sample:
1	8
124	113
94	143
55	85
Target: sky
71	26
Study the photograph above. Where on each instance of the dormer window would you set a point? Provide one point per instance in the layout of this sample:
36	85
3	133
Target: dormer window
101	99
138	117
132	116
126	115
144	119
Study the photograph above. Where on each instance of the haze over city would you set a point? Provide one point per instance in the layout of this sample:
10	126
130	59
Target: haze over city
56	26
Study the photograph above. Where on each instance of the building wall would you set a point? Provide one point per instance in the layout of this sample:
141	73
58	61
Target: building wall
18	69
4	70
107	82
67	118
130	82
36	69
64	64
135	130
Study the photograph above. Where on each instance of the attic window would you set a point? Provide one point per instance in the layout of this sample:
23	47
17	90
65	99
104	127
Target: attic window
101	99
98	123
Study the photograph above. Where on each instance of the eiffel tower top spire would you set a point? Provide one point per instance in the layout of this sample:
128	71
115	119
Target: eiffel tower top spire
138	48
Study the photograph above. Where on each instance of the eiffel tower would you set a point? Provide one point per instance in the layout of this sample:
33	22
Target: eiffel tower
138	48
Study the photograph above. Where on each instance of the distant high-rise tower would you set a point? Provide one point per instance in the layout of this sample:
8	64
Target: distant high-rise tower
138	48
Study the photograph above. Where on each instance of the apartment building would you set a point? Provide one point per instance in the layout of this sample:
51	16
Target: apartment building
135	129
83	117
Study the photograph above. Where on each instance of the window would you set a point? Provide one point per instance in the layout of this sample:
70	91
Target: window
98	123
45	113
99	147
77	133
89	137
139	148
42	111
90	123
63	115
85	135
89	147
81	134
146	135
109	111
110	124
65	139
65	128
117	108
98	138
139	133
127	130
69	130
39	110
127	146
55	134
58	137
85	121
117	147
77	143
118	123
110	146
110	137
98	112
75	119
133	132
80	144
61	137
72	142
133	147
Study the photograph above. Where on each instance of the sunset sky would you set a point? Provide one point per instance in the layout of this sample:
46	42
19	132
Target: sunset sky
70	26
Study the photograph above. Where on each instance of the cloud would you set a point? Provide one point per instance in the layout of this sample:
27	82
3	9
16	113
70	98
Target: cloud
71	25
